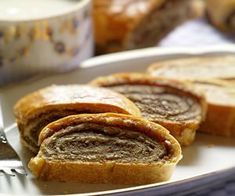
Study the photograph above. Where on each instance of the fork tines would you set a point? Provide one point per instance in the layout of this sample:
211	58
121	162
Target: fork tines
13	172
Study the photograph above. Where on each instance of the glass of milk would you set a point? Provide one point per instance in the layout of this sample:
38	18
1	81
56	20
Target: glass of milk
41	36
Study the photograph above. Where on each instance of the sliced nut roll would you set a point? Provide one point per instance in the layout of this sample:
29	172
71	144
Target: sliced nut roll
128	24
39	108
105	148
170	103
201	67
220	118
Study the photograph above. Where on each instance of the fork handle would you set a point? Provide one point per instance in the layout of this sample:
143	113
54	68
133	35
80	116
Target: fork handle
3	138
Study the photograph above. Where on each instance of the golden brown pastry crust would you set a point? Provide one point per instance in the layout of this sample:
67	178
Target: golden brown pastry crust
221	13
117	23
108	171
114	16
231	83
184	131
200	67
207	74
220	118
65	100
74	96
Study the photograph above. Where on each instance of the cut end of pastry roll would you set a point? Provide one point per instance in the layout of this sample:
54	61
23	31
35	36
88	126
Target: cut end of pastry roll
173	104
105	148
39	108
203	67
220	118
128	24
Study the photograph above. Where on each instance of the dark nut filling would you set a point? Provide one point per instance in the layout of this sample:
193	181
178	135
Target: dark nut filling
45	119
98	143
159	102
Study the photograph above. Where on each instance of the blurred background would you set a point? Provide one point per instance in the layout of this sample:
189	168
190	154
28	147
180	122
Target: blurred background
129	24
38	37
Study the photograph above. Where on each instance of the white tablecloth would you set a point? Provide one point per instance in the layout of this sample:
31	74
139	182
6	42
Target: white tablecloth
196	33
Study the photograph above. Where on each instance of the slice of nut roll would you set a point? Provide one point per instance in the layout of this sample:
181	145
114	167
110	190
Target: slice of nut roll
220	118
105	148
173	104
200	67
39	108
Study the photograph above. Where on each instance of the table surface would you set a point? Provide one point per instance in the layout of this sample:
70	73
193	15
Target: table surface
196	33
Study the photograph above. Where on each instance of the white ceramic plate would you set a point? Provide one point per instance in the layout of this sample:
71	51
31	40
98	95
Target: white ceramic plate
208	154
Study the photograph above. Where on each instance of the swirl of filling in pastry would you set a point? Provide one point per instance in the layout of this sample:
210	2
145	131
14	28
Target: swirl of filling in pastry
159	102
42	120
93	142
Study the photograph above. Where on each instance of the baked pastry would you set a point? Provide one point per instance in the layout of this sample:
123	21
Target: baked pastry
39	108
105	148
221	13
205	73
128	24
231	83
172	104
200	67
220	118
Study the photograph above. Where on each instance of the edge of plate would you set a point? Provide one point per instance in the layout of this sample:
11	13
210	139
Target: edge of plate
145	53
187	185
139	54
154	52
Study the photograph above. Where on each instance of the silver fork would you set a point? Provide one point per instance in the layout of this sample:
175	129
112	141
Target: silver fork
10	163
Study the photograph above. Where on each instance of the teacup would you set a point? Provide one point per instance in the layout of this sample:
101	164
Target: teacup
41	36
